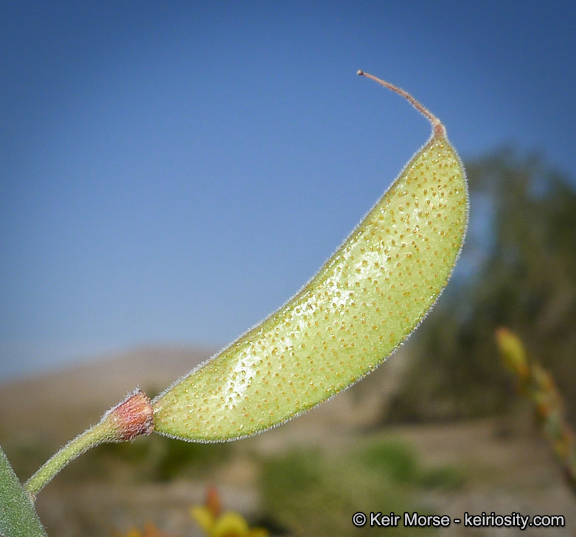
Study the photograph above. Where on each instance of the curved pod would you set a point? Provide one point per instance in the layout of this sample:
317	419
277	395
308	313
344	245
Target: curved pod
363	303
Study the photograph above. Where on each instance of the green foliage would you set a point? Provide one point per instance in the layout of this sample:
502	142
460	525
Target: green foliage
522	264
156	458
309	493
178	456
28	454
442	477
392	460
162	459
398	462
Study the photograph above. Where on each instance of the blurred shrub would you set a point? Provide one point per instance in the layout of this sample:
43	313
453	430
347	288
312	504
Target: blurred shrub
158	458
155	458
308	493
398	462
518	269
393	460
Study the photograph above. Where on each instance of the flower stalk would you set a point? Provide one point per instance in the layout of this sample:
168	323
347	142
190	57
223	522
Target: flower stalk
536	384
131	418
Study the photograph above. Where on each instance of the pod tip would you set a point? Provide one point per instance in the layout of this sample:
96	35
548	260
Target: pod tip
438	128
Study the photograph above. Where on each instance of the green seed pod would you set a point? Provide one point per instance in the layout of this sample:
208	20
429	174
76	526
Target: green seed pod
363	303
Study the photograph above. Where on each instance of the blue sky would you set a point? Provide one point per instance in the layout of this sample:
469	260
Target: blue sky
172	172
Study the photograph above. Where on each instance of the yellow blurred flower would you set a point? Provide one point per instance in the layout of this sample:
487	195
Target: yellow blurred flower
217	524
149	531
210	518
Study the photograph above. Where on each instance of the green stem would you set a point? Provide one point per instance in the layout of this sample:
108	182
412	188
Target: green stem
88	439
131	418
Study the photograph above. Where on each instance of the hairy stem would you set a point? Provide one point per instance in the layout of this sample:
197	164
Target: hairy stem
82	443
127	420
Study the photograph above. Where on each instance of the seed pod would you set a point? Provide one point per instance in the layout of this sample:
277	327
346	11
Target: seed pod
363	303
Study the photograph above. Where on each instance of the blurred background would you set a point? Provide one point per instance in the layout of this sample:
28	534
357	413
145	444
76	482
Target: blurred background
172	173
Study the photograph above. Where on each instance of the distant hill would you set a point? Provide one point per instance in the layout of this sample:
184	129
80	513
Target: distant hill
55	403
53	407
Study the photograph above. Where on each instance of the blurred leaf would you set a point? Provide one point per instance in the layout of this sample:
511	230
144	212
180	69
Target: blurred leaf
18	517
